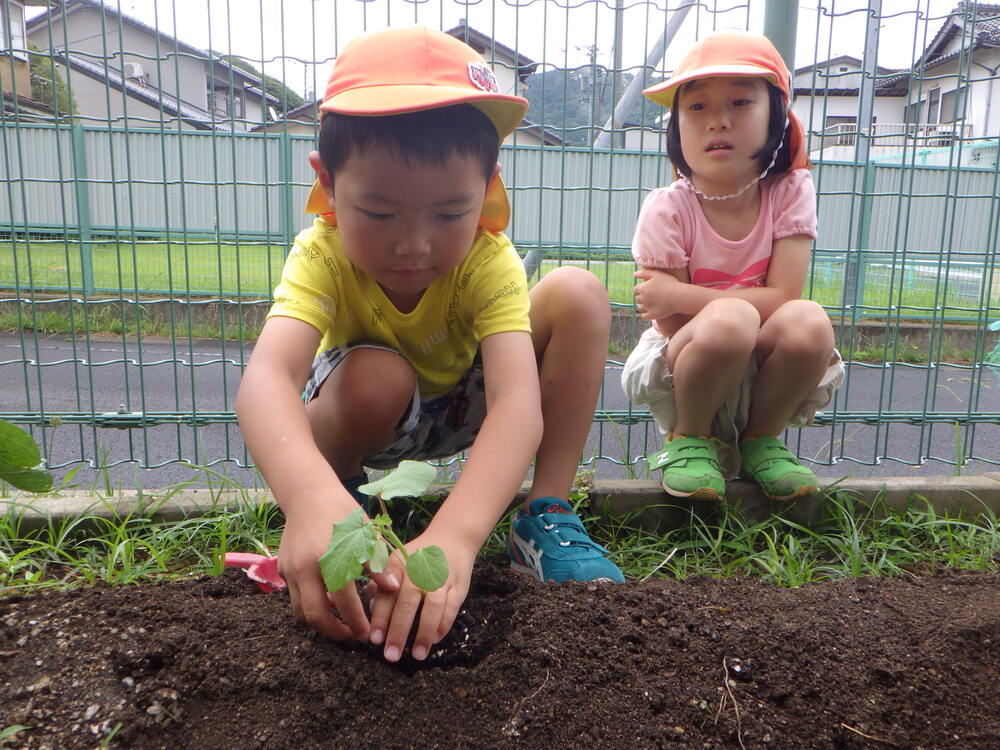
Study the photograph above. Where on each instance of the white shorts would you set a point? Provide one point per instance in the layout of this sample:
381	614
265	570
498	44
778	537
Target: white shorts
646	379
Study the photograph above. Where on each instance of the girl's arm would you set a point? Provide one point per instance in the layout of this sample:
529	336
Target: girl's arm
670	294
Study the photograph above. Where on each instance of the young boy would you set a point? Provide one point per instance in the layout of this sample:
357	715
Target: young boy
404	312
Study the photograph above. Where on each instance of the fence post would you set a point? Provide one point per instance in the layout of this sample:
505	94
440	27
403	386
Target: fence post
82	194
854	282
288	229
781	18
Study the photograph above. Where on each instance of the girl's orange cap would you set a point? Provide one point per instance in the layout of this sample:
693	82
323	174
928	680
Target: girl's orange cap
735	53
408	70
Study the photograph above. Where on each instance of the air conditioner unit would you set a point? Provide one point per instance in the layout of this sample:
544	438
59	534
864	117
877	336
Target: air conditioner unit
135	72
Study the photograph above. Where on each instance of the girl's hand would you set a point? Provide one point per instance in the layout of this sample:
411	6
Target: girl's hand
393	612
657	294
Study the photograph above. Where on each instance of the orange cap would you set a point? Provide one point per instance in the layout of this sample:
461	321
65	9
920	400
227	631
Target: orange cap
408	70
735	53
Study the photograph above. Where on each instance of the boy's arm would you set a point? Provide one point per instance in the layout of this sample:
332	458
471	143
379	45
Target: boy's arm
671	296
277	432
491	476
499	458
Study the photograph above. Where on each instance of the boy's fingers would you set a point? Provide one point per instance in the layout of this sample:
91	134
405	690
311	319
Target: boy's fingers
386	580
352	611
383	600
449	614
310	605
407	603
430	624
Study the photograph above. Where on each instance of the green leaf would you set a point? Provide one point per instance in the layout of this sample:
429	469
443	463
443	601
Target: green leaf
351	545
17	447
428	568
380	556
409	479
29	480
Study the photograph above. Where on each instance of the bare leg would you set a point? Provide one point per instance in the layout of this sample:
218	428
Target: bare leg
708	358
358	407
570	323
794	350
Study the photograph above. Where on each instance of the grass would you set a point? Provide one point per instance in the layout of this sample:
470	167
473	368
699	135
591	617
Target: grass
853	540
127	320
204	267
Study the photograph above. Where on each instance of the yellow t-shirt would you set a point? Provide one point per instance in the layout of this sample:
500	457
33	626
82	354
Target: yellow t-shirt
486	293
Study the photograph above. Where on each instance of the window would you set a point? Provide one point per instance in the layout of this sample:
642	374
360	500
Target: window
953	104
911	114
841	129
843	68
933	105
12	28
223	100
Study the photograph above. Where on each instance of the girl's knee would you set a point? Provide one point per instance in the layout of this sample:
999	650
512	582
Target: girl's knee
732	311
729	326
803	329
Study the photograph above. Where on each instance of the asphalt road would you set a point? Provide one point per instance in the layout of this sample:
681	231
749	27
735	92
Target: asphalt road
99	375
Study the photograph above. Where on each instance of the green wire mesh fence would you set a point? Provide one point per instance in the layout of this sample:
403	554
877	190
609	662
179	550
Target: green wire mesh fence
153	171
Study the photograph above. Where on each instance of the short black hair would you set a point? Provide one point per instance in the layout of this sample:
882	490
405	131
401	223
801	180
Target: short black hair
429	136
776	130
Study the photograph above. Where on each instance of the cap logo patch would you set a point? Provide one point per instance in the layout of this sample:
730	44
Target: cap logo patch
482	77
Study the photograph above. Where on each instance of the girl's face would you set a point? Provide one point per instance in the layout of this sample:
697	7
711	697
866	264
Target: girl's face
723	123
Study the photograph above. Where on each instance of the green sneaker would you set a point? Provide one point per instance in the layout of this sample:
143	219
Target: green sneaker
690	468
770	464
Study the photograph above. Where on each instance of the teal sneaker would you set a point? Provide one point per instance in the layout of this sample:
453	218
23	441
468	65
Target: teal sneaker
768	462
690	467
549	543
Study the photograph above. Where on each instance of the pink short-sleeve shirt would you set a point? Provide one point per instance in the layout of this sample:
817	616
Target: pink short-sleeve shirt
672	232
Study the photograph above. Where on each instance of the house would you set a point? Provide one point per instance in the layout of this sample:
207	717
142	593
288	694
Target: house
509	67
951	92
15	74
153	79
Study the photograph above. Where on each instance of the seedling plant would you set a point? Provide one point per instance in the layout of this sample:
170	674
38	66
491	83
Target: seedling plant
357	541
20	461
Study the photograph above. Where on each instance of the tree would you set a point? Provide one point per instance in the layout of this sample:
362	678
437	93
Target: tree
287	98
574	102
47	84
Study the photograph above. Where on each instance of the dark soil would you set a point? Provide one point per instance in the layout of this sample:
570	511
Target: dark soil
215	663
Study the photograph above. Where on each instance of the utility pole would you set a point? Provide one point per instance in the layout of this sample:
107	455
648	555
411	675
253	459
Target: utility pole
631	95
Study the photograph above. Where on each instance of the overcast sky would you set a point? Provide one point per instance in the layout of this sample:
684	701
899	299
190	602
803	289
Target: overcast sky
297	40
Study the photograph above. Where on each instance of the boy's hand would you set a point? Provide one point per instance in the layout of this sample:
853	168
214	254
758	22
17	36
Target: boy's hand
305	538
657	295
393	612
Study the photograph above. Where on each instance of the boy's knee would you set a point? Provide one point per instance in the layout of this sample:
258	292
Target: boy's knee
572	289
372	387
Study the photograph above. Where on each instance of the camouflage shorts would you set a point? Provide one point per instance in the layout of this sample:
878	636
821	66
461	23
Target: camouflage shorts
435	427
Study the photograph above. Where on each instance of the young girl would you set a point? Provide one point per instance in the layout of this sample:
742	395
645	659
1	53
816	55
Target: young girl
733	355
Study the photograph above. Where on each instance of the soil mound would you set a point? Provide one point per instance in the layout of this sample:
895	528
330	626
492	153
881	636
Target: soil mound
215	663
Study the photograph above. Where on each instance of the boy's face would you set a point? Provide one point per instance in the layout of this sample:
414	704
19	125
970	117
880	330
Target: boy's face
405	224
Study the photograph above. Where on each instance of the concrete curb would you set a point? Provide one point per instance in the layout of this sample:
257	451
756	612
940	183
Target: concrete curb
641	500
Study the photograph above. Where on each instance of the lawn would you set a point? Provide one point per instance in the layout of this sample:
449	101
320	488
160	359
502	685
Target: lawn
203	267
